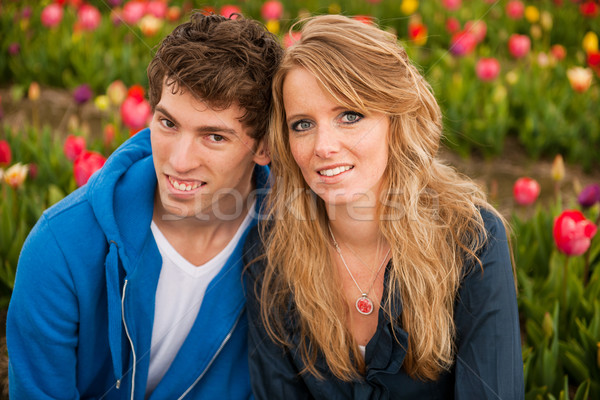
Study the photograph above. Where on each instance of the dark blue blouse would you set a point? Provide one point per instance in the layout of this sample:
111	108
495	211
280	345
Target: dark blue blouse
488	362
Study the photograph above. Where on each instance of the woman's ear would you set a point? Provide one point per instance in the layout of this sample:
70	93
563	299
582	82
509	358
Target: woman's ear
262	155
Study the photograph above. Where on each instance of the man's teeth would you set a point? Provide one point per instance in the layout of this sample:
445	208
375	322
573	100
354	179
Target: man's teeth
182	186
335	171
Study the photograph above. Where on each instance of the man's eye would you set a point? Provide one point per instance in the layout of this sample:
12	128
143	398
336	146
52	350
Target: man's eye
217	138
167	123
302	125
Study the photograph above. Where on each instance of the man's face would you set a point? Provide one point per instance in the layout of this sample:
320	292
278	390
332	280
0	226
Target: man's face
203	158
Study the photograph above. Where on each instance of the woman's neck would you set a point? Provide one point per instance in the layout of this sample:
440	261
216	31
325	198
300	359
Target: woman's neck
356	226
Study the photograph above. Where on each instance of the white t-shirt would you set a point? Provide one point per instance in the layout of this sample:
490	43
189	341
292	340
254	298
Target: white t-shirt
181	288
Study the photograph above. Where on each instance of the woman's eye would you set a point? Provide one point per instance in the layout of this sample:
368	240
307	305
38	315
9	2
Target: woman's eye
351	117
167	123
301	125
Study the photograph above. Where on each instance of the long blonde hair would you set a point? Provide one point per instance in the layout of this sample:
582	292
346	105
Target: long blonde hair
429	213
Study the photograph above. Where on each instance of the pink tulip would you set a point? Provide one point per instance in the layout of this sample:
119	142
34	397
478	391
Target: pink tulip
452	25
519	45
51	15
477	28
74	146
135	112
157	9
5	153
515	9
88	17
85	165
487	69
133	11
573	233
451	5
463	43
526	191
228	10
290	39
271	10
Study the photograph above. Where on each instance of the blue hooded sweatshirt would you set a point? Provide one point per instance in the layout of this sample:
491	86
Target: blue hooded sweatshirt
80	319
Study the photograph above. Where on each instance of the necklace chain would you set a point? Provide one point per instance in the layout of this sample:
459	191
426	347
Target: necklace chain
364	295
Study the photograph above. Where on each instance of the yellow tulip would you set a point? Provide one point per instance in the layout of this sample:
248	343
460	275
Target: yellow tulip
546	20
34	91
273	26
558	169
409	7
102	103
590	42
532	14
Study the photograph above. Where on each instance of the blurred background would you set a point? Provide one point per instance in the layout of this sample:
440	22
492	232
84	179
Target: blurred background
517	81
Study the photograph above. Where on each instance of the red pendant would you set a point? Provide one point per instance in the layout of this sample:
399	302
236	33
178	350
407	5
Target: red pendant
364	305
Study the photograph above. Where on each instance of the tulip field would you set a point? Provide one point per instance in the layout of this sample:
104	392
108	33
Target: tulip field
518	72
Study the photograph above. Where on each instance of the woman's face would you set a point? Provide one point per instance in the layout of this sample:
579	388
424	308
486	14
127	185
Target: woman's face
342	154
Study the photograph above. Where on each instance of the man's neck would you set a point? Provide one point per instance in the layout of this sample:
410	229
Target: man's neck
198	241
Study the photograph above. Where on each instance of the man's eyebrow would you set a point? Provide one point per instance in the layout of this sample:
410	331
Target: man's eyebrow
216	129
202	128
162	110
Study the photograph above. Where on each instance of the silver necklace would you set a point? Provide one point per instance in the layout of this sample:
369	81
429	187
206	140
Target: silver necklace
364	304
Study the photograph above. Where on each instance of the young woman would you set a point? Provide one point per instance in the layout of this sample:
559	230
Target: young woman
382	273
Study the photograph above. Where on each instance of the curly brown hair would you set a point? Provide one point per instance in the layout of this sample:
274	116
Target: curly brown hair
221	61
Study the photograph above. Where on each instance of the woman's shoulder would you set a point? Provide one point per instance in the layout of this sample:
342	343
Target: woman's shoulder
493	224
254	250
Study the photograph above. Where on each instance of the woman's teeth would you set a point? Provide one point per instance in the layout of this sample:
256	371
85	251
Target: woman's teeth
335	171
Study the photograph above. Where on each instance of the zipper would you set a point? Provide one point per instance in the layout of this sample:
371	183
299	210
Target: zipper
130	341
223	343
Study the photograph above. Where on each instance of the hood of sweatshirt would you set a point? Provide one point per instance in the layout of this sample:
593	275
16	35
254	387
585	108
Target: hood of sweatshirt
121	195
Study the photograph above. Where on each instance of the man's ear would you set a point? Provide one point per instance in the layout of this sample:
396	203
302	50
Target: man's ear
262	155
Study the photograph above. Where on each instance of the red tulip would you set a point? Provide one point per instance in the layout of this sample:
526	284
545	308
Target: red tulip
365	19
463	43
451	5
271	10
74	146
135	110
519	45
157	9
417	33
487	69
5	153
51	15
228	10
173	13
526	191
88	17
133	11
85	165
593	60
589	9
558	51
573	233
515	9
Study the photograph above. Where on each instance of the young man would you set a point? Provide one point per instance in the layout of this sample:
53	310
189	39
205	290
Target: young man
131	286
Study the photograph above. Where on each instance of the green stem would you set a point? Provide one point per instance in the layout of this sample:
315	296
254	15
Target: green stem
564	289
586	271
